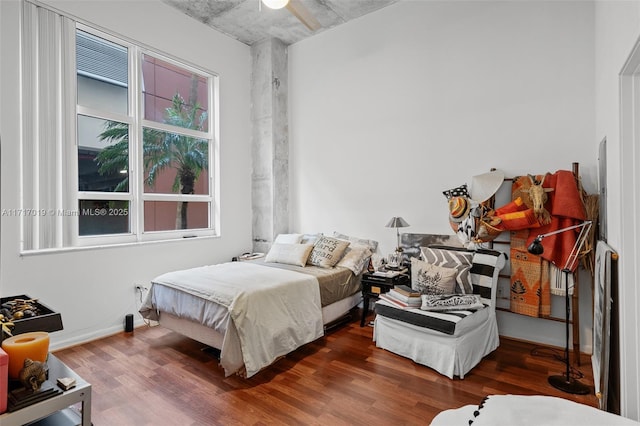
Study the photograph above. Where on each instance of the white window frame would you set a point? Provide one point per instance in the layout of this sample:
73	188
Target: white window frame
135	119
209	135
130	120
65	227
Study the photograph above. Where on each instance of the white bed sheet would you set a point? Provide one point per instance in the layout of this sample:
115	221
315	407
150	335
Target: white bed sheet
262	312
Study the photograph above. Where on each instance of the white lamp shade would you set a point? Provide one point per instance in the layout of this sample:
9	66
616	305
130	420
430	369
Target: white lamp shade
275	4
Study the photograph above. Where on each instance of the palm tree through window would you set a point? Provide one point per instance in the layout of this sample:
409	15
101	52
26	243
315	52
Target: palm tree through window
148	165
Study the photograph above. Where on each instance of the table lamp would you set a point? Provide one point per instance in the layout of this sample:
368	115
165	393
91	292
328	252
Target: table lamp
397	222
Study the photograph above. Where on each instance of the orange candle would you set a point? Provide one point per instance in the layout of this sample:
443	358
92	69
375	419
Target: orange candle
4	380
34	345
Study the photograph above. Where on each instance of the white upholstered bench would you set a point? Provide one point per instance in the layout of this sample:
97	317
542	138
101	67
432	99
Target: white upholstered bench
451	342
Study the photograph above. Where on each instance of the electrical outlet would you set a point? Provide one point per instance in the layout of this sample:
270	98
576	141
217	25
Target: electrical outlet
140	288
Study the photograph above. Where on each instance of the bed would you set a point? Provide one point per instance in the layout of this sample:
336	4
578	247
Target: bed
257	311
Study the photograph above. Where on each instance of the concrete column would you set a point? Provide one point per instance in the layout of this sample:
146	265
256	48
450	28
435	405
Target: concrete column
270	142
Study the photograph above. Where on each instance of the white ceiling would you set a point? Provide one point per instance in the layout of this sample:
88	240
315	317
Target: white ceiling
248	21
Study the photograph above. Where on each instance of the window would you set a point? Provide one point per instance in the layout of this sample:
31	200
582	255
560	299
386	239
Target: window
133	160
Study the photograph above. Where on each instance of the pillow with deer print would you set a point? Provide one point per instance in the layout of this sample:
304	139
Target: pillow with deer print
428	278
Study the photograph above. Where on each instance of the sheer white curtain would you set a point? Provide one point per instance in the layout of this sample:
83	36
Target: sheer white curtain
48	138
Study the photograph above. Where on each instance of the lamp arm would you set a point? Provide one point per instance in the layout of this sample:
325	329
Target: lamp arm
575	251
568	228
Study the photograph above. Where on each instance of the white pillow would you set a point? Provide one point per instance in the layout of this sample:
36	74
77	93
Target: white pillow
327	252
356	257
290	254
310	238
288	238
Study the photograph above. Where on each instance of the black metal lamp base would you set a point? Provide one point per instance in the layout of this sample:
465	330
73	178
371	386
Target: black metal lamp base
569	385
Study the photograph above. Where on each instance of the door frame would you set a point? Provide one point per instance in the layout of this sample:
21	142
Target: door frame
629	290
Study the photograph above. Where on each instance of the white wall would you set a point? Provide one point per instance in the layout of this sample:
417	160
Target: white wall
93	289
391	109
617	27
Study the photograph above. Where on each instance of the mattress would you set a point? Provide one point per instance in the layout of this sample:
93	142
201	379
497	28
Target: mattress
451	322
335	283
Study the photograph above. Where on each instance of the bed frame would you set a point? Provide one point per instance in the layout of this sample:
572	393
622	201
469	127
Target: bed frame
332	315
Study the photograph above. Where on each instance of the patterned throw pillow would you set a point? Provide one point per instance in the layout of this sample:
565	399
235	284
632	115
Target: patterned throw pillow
460	191
450	302
327	252
432	279
460	260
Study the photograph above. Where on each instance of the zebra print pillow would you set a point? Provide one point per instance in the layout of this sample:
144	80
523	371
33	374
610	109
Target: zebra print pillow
461	261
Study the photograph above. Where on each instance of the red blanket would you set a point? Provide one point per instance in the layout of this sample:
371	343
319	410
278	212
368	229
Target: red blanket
567	209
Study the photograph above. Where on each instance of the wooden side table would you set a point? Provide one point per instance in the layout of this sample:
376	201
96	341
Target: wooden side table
374	285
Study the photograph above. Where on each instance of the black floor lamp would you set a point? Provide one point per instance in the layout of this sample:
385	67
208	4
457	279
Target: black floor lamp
565	382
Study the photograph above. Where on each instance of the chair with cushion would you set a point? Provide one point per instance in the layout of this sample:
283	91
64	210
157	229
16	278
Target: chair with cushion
451	340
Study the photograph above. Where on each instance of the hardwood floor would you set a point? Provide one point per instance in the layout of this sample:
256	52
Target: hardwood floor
157	377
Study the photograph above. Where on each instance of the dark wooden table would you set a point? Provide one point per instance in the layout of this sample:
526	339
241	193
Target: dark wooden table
374	285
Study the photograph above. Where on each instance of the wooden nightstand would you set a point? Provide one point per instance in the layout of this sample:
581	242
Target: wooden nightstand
374	285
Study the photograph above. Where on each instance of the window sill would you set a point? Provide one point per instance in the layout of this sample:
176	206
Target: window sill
26	253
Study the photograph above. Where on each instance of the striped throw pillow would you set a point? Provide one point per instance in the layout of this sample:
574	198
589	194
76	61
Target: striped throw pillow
461	261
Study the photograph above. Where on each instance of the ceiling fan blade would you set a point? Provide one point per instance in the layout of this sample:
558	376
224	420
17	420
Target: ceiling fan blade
303	14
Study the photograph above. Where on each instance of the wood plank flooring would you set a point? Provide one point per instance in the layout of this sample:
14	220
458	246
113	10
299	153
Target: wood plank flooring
157	377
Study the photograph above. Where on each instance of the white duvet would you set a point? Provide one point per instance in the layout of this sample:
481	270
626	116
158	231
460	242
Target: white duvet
267	312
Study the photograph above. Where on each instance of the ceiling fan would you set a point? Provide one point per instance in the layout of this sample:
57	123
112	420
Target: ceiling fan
297	9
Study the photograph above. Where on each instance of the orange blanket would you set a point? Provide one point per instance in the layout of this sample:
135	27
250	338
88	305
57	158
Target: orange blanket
530	285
